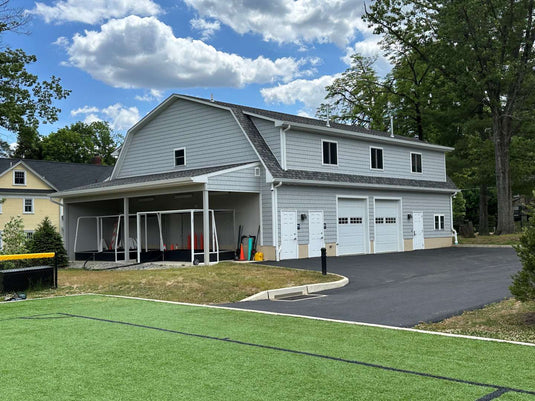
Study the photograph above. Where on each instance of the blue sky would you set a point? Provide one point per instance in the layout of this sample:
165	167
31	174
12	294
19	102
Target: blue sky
121	58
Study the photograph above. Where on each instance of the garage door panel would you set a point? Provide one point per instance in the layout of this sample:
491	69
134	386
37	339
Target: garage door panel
387	226
352	232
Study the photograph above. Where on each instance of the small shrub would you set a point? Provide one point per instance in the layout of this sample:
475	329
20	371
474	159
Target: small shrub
523	287
47	239
13	242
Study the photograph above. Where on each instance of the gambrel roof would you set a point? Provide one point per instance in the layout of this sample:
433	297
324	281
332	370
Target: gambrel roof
244	117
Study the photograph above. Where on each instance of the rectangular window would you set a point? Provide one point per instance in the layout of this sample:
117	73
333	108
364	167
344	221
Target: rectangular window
343	220
330	152
180	157
355	220
29	234
416	162
376	161
439	222
390	220
19	177
28	205
379	220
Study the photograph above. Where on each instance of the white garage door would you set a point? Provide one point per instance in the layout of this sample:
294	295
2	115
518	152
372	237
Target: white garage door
387	226
352	232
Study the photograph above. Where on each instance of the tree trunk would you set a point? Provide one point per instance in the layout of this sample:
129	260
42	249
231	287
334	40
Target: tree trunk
483	210
502	138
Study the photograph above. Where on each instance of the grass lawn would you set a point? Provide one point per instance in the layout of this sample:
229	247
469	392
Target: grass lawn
508	320
102	348
506	239
221	283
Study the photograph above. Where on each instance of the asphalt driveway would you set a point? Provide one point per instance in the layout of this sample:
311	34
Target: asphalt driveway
403	289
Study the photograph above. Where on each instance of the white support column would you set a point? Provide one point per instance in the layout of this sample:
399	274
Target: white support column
138	237
126	235
206	225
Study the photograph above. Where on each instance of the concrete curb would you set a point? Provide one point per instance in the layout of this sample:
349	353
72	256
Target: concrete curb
482	246
297	290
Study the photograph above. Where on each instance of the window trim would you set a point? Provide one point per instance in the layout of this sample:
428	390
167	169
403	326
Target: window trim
421	163
174	157
24	206
322	158
440	223
25	178
382	159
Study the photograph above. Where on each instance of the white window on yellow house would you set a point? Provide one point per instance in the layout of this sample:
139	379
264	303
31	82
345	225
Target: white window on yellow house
29	234
28	205
19	177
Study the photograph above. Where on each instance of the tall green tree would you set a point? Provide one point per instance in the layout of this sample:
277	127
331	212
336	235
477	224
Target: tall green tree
485	48
29	144
80	143
25	101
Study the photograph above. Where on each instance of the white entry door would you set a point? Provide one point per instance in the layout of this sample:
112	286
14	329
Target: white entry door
289	247
418	230
315	234
352	227
387	226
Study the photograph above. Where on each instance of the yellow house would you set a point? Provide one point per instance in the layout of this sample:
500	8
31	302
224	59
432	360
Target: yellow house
26	185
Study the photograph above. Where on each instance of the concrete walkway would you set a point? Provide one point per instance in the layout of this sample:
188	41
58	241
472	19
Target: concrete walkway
403	289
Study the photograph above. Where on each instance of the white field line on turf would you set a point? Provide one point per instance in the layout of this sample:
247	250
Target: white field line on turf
381	326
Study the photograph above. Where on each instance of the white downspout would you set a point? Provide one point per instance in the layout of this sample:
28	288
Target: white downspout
451	218
275	220
283	147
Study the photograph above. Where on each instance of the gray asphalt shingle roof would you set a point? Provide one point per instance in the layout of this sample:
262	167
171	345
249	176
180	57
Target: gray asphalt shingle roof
158	177
61	175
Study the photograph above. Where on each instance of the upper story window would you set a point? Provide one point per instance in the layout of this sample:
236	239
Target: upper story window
19	177
416	162
28	205
376	158
330	152
180	157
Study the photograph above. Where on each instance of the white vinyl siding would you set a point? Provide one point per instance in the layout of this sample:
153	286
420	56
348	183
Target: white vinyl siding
271	135
211	136
354	157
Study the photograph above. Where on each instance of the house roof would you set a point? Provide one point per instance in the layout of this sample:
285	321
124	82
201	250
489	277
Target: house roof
167	178
61	176
243	116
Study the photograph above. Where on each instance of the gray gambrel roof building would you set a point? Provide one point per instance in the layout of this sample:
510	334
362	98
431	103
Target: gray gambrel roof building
301	183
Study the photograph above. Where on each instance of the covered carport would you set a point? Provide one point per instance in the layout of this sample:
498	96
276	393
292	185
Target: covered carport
175	216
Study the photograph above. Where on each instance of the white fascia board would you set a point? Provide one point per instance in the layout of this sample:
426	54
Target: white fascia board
365	186
126	188
204	177
351	134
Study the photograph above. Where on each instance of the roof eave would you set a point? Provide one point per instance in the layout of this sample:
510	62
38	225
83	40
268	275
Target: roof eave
127	187
351	134
364	185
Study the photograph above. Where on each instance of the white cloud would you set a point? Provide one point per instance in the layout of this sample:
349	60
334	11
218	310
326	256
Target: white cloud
120	117
136	52
283	21
84	110
206	28
309	92
151	96
93	11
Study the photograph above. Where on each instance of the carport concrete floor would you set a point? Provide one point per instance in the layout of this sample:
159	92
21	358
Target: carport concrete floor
403	289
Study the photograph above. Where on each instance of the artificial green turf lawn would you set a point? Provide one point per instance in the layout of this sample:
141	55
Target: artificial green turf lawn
76	359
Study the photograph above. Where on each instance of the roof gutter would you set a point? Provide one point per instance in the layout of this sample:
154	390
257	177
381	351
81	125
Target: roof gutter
366	186
126	187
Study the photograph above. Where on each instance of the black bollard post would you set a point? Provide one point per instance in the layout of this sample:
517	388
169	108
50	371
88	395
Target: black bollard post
323	261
